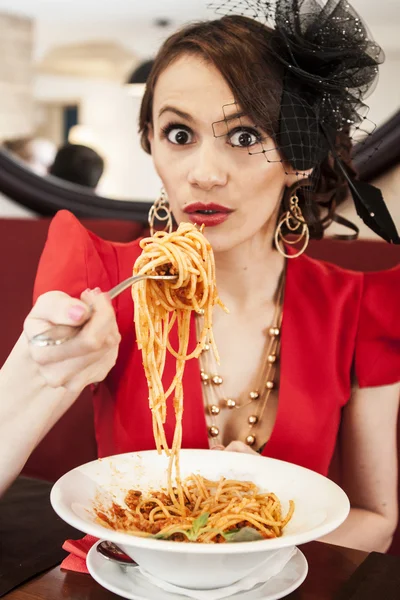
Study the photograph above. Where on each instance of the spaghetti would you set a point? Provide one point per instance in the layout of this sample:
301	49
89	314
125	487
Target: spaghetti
215	512
158	305
196	509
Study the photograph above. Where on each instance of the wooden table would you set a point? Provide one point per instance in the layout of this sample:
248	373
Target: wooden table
329	568
31	536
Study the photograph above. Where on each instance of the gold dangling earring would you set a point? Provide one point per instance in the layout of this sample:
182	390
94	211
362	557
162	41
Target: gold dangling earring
160	212
292	219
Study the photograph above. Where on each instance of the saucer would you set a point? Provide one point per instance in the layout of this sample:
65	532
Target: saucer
131	584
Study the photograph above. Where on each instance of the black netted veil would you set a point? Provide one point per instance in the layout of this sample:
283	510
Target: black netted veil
330	65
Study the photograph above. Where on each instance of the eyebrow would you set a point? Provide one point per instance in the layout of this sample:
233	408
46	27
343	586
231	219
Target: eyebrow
184	115
177	111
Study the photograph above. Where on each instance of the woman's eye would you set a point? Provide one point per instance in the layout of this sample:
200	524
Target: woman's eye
244	138
179	136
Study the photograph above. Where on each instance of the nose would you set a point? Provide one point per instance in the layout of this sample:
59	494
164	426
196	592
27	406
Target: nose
207	170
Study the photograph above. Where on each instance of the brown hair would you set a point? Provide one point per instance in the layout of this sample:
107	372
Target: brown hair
239	48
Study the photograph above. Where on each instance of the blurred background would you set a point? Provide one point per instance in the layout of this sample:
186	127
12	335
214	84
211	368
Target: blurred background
66	73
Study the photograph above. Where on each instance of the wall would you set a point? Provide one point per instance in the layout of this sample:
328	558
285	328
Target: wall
111	115
385	99
16	47
144	40
10	209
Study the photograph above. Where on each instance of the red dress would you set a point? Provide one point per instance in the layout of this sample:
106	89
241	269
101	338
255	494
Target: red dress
336	323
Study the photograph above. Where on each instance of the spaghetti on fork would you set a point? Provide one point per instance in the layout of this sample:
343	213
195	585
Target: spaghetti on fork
196	509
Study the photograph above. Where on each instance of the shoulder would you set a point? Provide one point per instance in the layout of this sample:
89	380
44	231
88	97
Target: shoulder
65	226
379	282
334	275
377	291
359	309
327	269
378	339
326	281
74	258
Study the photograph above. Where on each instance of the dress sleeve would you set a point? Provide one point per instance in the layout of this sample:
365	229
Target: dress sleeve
377	355
72	260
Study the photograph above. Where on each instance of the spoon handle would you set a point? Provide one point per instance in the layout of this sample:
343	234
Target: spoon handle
112	552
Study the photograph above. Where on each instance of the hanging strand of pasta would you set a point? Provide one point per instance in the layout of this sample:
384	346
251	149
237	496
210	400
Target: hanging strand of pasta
158	306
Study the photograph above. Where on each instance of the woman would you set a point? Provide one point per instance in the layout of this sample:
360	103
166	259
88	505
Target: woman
251	151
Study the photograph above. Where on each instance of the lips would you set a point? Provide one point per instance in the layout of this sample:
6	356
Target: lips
209	215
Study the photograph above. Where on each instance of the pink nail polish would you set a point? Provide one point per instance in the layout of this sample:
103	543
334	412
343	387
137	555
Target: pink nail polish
76	312
96	291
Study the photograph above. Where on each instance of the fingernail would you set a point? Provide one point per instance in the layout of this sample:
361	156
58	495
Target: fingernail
96	291
218	448
76	312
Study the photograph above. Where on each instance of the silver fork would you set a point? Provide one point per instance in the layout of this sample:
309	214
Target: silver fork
62	333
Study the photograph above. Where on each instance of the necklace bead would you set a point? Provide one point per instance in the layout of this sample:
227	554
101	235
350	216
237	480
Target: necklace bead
213	431
251	440
214	394
204	377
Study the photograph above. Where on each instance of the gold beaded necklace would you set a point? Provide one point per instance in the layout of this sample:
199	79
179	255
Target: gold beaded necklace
216	400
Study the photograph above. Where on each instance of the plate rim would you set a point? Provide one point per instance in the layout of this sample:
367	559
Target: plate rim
132	596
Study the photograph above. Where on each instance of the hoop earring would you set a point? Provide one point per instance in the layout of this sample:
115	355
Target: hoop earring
160	212
292	219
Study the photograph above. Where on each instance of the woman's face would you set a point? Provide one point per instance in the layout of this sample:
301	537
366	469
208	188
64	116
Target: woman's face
203	155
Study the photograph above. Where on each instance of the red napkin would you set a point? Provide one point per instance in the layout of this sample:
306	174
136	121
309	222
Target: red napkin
78	549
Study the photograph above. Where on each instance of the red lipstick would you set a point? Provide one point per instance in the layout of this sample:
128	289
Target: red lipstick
208	214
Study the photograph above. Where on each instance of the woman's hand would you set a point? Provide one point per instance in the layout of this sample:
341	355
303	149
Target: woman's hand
89	356
236	446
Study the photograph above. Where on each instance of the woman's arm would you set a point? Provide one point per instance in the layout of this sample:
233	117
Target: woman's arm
38	385
368	468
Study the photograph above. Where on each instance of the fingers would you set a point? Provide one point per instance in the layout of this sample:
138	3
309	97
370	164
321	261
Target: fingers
91	354
98	334
77	373
55	308
101	330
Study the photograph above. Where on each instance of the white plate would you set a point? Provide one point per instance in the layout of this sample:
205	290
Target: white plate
134	586
320	507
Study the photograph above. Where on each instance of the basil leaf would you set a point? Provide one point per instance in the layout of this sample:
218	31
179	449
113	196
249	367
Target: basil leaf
199	523
246	534
192	534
